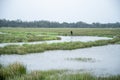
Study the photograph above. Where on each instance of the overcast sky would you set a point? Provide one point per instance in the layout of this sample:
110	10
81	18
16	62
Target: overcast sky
104	11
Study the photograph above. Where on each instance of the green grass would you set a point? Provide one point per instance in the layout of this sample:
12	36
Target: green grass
17	71
31	34
58	75
35	48
11	71
0	66
22	37
82	59
65	31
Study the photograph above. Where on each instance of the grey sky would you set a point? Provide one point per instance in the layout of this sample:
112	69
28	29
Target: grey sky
89	11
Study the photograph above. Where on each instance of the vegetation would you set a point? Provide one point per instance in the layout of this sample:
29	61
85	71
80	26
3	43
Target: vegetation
48	24
82	59
17	71
0	66
11	71
24	37
48	75
32	34
35	48
109	32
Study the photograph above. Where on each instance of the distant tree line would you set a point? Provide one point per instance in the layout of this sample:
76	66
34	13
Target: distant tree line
48	24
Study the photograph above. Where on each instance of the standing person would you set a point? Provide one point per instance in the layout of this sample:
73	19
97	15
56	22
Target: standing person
71	32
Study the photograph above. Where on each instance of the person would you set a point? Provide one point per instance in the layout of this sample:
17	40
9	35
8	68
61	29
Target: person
71	32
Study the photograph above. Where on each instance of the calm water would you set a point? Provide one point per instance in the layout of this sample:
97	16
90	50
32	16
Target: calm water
63	39
107	60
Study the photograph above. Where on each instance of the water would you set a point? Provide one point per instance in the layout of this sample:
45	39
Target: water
107	60
63	39
2	33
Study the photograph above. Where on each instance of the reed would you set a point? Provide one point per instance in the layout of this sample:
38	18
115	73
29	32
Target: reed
16	69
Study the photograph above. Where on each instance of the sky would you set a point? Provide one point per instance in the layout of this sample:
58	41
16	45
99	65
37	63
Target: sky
103	11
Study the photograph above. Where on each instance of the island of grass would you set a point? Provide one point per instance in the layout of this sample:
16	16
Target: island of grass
81	59
36	48
17	71
25	37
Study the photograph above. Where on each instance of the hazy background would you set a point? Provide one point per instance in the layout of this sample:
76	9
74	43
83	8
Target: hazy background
104	11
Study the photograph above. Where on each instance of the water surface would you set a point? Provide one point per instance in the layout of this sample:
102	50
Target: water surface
107	60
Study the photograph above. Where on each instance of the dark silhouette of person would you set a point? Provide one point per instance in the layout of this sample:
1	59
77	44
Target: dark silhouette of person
71	32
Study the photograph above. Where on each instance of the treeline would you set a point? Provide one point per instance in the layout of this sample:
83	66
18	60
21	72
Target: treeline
48	24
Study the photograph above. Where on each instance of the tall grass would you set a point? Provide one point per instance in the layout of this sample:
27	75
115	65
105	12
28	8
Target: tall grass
0	66
35	48
11	71
17	71
62	75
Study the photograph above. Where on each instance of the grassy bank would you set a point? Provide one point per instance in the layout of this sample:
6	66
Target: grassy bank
35	48
17	71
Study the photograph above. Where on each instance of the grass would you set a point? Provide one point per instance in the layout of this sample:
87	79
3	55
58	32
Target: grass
31	34
11	71
0	66
109	32
17	71
82	59
24	37
35	48
57	75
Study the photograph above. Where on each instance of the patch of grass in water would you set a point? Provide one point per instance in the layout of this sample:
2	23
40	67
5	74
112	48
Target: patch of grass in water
82	59
23	37
35	48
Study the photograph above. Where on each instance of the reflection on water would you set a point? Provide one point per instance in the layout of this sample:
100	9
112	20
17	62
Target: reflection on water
63	39
107	60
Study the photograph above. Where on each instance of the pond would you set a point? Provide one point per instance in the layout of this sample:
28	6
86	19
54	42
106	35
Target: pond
107	60
63	39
